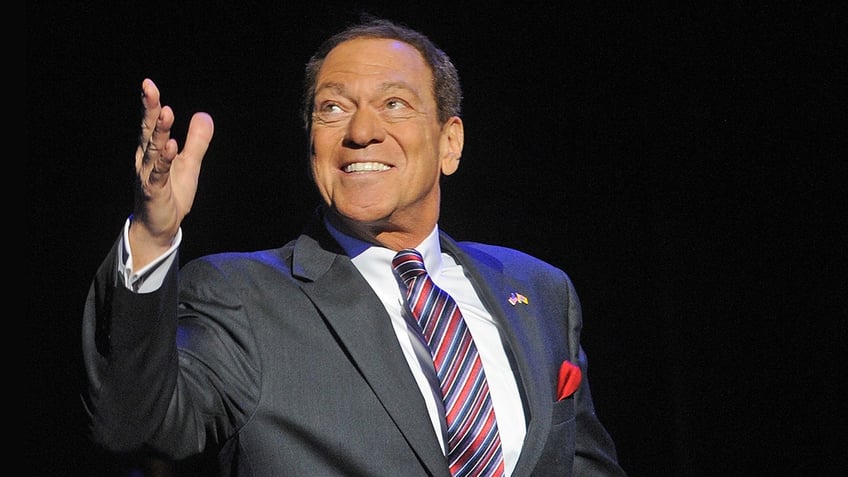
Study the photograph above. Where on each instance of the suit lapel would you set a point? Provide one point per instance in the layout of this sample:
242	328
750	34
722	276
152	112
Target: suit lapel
359	320
494	288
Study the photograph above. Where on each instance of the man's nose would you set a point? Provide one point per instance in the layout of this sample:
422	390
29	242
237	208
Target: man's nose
365	127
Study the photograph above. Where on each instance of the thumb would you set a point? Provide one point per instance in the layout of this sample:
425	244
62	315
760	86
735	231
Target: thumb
199	135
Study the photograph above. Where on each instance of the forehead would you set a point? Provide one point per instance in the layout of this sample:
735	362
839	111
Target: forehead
378	58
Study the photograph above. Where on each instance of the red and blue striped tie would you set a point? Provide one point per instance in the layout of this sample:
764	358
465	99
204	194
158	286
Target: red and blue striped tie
474	445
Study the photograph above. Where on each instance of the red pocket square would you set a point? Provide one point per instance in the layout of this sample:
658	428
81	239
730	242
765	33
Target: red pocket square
569	380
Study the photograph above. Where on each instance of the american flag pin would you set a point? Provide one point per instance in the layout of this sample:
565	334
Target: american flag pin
515	298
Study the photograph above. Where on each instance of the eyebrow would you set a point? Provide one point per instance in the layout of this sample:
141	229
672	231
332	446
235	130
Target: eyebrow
339	88
334	87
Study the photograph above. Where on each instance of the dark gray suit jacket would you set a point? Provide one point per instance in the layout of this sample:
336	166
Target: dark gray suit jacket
284	362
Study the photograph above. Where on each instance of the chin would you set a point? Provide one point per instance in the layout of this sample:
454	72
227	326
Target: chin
364	216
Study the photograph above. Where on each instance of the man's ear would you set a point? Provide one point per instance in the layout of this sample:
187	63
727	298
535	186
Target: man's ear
450	146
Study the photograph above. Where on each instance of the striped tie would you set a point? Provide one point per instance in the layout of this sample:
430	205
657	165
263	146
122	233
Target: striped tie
474	445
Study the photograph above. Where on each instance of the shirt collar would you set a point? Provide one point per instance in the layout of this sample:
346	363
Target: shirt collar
362	252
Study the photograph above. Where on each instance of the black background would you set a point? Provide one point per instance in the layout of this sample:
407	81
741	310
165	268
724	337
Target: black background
684	164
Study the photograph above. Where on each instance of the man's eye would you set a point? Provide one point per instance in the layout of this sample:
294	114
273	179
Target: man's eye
330	108
327	113
395	104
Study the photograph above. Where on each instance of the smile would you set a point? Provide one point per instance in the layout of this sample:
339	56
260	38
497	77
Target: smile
366	167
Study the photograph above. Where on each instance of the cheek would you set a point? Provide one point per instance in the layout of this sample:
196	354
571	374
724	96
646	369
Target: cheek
320	175
321	153
323	140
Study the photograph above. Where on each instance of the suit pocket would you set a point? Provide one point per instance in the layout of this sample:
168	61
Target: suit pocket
563	412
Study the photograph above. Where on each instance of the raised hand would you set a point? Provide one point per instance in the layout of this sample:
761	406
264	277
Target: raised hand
166	178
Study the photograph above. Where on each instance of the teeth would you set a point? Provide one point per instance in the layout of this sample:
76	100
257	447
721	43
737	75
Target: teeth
366	167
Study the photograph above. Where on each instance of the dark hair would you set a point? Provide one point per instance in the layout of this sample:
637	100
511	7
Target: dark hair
446	88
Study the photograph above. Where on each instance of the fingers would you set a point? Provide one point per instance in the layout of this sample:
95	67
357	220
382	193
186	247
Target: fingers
155	149
160	150
152	110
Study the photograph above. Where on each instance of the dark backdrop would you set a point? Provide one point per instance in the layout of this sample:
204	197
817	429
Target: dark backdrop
685	165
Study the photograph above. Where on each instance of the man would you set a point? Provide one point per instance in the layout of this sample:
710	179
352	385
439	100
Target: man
308	359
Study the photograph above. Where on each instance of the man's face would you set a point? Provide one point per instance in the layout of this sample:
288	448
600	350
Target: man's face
378	149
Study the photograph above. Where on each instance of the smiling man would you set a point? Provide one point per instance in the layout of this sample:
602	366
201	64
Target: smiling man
379	146
371	344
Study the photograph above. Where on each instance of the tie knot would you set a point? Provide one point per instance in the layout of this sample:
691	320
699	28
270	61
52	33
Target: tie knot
408	264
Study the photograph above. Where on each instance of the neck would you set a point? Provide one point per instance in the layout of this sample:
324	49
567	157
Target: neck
382	233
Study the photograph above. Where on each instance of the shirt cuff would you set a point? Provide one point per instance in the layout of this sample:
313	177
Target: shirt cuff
149	278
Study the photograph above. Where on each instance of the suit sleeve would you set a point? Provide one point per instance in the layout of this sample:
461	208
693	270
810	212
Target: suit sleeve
146	385
129	355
